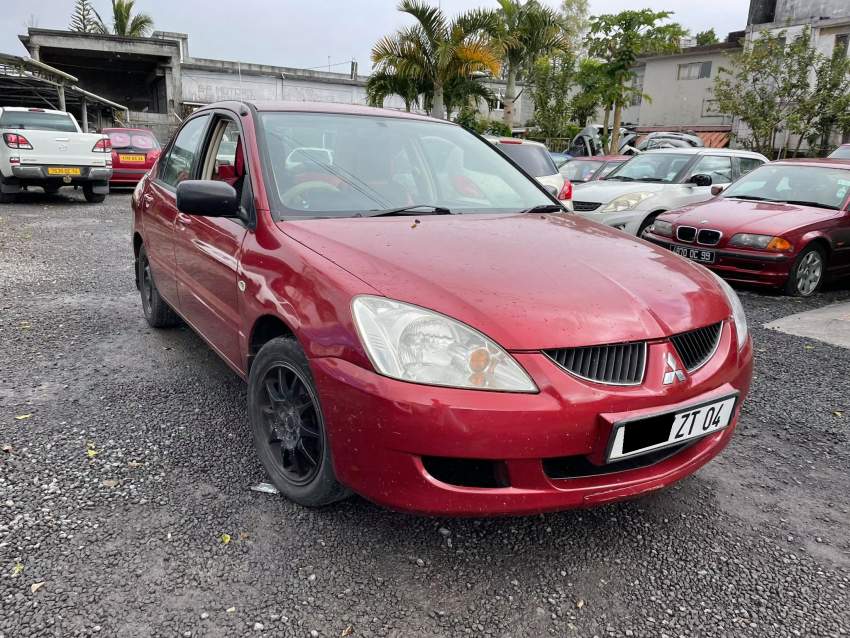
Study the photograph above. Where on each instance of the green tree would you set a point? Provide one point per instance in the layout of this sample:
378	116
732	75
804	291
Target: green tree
467	92
527	31
618	40
383	84
124	22
553	80
575	22
436	50
707	37
83	18
594	91
765	87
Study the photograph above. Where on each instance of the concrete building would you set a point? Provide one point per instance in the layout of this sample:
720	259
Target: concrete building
160	82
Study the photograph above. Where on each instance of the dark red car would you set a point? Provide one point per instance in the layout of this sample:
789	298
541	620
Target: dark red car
421	323
134	151
587	169
785	224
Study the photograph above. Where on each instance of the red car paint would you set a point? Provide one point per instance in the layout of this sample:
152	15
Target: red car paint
529	282
798	224
135	143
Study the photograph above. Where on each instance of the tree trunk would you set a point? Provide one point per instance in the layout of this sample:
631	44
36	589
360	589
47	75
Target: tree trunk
614	145
605	136
510	97
438	109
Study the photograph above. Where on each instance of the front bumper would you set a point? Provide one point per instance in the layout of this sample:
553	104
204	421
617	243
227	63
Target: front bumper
384	433
741	266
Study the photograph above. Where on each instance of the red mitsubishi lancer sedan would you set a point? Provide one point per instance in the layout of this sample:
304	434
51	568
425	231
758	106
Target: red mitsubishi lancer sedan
785	224
421	323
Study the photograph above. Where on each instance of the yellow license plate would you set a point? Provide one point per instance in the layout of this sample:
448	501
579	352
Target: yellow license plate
58	170
132	158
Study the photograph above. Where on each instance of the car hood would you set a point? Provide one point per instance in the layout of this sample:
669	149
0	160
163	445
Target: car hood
603	191
732	216
527	281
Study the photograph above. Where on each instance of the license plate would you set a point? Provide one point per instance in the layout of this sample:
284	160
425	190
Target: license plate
59	170
655	432
695	254
131	158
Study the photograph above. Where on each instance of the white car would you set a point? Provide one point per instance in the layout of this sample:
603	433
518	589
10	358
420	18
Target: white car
534	159
645	186
46	148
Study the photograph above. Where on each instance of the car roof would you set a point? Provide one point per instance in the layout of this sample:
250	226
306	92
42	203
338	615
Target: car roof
699	150
35	109
322	107
602	158
826	162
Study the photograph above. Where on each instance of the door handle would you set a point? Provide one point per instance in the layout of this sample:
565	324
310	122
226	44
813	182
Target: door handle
147	199
183	220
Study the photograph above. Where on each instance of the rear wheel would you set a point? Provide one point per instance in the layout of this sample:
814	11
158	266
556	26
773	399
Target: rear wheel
807	273
91	196
288	426
157	312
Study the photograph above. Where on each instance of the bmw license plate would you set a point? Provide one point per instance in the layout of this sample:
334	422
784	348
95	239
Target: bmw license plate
694	254
655	432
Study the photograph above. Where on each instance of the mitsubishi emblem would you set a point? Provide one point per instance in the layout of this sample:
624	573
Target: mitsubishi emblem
671	372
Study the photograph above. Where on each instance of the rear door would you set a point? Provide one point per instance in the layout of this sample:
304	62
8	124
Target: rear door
159	207
207	249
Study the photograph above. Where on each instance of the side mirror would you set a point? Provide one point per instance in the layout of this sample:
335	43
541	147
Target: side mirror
208	198
700	180
717	189
552	190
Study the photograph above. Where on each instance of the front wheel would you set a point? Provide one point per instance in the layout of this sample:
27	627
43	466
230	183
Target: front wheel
647	222
91	196
288	426
807	273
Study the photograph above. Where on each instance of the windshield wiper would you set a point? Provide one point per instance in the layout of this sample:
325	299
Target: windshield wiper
801	202
543	208
620	178
415	209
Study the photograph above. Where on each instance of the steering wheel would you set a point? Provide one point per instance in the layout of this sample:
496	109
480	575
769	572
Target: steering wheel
297	197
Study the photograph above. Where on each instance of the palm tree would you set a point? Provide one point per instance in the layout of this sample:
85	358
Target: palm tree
124	22
435	50
528	31
466	91
382	84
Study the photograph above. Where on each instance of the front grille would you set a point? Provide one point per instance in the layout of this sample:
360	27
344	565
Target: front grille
618	364
686	233
708	237
585	207
696	347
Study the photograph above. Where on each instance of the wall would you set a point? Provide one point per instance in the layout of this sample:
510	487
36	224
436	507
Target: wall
804	10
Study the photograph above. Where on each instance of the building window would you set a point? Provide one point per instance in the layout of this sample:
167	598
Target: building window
694	71
637	85
841	42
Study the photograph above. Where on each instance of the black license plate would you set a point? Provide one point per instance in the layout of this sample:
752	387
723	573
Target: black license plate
695	254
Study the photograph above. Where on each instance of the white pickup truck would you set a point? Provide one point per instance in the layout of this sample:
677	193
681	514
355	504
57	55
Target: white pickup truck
46	148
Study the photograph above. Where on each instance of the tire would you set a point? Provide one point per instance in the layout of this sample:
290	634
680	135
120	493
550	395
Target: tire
157	312
647	222
807	272
288	426
91	196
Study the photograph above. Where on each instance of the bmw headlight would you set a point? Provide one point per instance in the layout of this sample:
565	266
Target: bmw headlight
410	343
661	227
738	315
629	201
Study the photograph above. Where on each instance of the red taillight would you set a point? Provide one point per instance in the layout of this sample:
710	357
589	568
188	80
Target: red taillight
566	191
510	140
13	140
103	146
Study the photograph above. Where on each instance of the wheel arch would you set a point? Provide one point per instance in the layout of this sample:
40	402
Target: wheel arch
265	328
137	247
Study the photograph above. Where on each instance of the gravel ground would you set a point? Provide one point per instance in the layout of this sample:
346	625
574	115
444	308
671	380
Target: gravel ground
136	458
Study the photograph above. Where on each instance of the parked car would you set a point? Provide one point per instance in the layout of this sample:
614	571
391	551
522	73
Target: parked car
560	158
639	190
46	148
786	224
588	169
421	341
534	159
134	151
667	139
842	152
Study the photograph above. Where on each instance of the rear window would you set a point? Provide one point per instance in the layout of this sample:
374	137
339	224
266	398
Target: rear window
38	121
842	152
143	141
580	170
534	160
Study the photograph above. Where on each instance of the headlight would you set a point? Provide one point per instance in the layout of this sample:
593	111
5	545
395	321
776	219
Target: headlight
660	227
762	242
414	344
628	201
738	315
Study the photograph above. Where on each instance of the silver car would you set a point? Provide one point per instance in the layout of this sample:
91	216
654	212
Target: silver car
534	159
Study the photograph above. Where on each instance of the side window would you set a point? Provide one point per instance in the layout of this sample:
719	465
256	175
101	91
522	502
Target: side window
224	157
181	157
717	167
747	164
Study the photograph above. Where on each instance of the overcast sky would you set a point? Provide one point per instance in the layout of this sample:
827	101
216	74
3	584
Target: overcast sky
305	33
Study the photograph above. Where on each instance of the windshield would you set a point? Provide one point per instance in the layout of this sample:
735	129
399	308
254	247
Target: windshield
132	139
580	170
331	165
808	185
534	160
651	167
38	121
842	152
